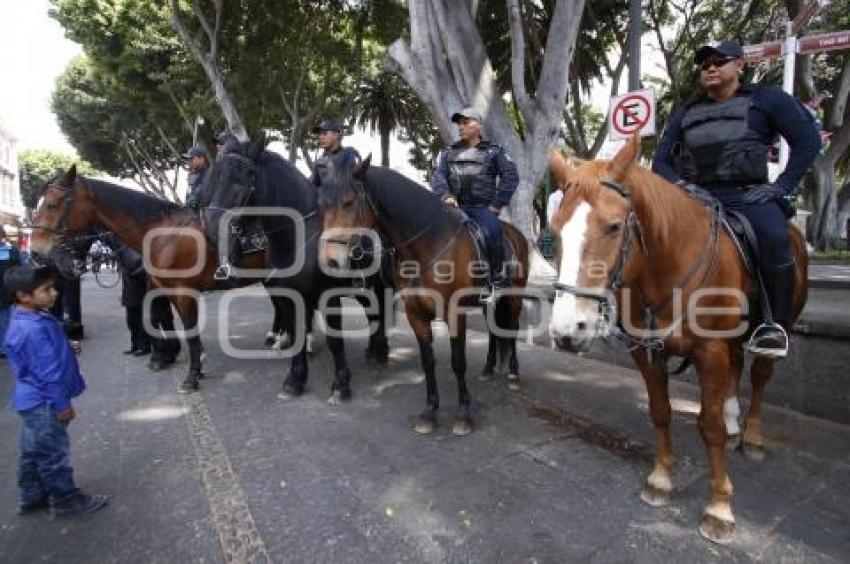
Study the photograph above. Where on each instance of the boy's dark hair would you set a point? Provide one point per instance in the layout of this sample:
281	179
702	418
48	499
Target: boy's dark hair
26	278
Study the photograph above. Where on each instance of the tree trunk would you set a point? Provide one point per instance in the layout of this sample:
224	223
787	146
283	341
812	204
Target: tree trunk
385	148
446	64
207	59
825	231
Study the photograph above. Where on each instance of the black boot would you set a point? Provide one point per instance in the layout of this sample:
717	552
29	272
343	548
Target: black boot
770	339
497	279
79	505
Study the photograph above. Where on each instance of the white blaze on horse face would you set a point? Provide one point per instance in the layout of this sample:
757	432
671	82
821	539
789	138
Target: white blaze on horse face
565	315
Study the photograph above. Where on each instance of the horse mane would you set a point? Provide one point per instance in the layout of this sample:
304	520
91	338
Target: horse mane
118	198
660	205
277	180
415	207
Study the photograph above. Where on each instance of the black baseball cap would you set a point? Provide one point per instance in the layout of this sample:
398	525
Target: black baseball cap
196	151
224	138
729	49
328	125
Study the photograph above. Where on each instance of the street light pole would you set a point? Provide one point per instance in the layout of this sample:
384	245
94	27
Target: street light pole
635	28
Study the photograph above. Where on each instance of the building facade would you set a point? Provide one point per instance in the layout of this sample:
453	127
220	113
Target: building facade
11	207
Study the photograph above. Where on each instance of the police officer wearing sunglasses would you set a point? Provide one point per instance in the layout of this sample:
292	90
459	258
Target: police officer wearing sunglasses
720	142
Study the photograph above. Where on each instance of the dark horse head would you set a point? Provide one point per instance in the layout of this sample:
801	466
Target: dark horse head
249	175
346	210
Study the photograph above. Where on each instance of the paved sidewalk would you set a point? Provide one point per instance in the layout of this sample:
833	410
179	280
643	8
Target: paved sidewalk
551	474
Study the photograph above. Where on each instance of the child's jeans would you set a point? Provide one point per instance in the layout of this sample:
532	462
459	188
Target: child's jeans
45	466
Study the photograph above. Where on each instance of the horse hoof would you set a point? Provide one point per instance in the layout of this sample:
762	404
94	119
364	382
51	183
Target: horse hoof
462	427
338	397
655	497
717	530
188	387
753	451
290	391
424	425
733	442
513	382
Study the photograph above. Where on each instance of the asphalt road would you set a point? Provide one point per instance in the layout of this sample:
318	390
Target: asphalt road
551	473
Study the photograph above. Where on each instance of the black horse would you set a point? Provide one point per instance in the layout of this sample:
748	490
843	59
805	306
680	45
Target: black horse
284	202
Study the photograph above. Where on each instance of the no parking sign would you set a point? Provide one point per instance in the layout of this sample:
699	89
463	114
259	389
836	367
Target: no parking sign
632	113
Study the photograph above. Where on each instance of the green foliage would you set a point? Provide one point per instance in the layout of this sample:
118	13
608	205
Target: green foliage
38	166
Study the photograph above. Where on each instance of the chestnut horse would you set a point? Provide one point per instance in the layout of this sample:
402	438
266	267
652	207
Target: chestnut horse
630	240
438	269
73	206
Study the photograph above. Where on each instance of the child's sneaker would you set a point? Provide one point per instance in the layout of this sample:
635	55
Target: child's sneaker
33	506
79	504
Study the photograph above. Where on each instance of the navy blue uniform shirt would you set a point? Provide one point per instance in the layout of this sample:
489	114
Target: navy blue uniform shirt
498	163
772	112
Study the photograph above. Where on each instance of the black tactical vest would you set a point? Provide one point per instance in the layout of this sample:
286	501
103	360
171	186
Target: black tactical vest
718	147
470	174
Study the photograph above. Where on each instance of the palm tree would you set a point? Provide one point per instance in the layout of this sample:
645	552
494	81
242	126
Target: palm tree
384	103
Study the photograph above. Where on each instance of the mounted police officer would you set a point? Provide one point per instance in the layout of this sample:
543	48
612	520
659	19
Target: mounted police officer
480	178
225	142
198	161
330	140
720	142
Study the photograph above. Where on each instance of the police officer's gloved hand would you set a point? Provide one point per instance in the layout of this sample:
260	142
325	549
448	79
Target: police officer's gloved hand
192	203
762	194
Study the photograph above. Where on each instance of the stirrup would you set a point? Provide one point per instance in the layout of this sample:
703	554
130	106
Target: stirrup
490	297
780	351
222	272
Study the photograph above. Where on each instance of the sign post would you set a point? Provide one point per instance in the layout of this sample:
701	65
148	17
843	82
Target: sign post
632	113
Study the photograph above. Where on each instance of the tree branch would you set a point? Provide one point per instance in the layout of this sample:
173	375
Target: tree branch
839	106
560	44
518	64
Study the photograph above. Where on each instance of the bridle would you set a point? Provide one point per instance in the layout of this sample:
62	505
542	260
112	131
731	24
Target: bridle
605	298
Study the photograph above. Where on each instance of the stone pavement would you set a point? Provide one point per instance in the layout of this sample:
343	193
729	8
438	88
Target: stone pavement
551	473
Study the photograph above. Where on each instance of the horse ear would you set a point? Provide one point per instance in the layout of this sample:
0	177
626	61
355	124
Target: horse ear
69	177
362	167
560	168
625	158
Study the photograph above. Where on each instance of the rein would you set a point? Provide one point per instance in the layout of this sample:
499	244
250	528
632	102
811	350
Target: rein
651	343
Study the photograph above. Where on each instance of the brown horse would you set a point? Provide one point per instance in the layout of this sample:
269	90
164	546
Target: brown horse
632	241
438	270
183	258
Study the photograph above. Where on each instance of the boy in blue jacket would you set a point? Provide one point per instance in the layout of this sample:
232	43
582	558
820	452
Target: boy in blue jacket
47	377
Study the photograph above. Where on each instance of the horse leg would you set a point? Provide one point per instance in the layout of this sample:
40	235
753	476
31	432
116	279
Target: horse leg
513	310
379	346
341	387
427	420
753	442
713	364
656	491
731	407
187	308
293	384
271	336
489	369
463	420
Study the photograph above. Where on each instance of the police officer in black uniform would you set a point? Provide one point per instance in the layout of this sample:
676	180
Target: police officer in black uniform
330	140
225	142
134	286
720	141
480	178
198	161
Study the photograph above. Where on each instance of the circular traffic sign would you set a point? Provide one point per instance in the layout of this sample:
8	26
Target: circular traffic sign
631	114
